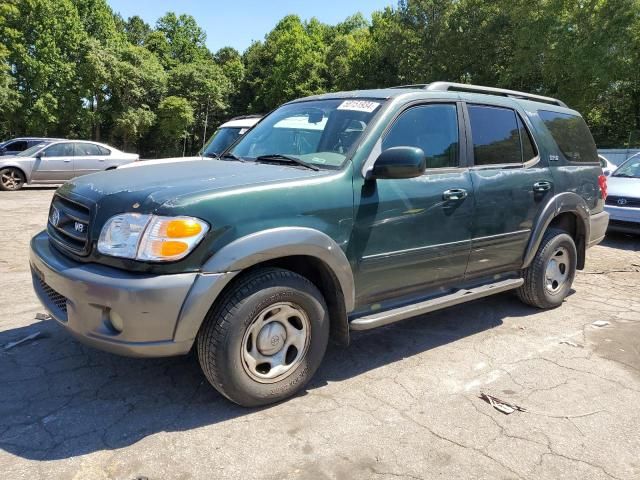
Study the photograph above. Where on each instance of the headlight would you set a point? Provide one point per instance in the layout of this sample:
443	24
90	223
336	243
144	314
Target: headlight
151	238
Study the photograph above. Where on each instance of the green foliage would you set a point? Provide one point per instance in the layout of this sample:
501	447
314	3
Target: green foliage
133	123
175	116
74	68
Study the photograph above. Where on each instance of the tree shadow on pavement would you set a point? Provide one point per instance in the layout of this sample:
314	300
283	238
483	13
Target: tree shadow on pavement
60	399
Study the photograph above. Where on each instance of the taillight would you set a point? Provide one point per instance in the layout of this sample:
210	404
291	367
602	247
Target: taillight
602	181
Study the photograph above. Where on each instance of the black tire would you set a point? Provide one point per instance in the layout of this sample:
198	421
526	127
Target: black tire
223	336
11	179
538	290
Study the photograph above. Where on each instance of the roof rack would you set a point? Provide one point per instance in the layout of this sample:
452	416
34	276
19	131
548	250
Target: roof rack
461	87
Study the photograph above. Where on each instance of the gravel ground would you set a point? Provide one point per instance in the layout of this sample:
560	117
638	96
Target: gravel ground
401	402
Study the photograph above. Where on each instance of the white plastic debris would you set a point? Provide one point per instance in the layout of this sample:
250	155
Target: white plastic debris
28	338
500	405
600	323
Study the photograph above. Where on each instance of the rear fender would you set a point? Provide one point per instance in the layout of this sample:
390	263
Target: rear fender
566	202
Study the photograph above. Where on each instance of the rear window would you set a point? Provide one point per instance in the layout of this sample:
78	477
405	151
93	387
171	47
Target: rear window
572	136
499	136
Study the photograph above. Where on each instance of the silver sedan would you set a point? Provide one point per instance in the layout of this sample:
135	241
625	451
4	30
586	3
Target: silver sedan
58	161
623	201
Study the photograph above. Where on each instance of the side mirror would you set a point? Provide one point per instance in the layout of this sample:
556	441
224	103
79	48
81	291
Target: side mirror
399	162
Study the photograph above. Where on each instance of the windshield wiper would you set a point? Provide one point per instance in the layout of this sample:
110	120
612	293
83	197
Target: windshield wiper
232	157
277	157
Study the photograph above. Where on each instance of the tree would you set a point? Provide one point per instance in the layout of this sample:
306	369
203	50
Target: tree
204	85
133	123
99	21
42	39
296	53
137	30
185	39
175	116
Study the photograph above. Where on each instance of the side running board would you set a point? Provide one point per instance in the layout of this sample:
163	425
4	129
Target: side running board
461	296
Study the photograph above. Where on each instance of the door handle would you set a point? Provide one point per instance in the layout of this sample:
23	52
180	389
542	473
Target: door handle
67	161
454	194
542	186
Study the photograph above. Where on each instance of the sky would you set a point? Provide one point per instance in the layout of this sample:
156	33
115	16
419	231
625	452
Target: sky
237	23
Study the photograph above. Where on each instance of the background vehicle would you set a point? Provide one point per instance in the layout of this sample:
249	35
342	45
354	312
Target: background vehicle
221	139
339	212
17	145
607	167
58	161
623	202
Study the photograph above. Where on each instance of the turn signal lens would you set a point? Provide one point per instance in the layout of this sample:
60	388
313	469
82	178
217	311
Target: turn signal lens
182	228
171	238
168	248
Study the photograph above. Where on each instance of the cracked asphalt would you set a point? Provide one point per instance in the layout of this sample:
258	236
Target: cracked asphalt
400	402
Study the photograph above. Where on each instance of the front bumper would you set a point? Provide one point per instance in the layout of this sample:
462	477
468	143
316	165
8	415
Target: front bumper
129	314
597	228
624	219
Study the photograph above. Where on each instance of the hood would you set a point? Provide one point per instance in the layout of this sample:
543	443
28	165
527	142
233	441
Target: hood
152	185
623	187
160	161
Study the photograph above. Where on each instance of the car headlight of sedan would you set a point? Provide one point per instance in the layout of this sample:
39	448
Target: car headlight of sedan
151	238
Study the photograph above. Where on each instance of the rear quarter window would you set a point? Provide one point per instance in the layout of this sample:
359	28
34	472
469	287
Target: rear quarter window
571	135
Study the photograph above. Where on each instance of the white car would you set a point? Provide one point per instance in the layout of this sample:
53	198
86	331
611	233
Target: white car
623	200
221	139
56	161
608	167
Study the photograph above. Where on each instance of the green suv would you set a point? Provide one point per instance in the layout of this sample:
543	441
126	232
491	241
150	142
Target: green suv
338	212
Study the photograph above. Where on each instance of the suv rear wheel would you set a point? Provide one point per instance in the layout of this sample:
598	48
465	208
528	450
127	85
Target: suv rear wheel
266	337
547	281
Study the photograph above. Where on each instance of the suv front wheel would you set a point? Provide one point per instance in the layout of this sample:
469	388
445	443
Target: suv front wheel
265	338
547	281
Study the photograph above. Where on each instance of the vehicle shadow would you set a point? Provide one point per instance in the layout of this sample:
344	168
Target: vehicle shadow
60	399
40	187
622	241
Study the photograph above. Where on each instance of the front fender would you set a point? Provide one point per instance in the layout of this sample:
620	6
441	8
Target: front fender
283	242
25	167
566	202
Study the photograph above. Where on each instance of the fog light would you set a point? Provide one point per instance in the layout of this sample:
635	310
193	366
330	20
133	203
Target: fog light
116	321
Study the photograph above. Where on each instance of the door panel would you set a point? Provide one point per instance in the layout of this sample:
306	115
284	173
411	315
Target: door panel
409	235
88	159
55	164
510	185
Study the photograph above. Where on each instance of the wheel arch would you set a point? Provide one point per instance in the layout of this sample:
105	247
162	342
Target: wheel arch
305	251
567	211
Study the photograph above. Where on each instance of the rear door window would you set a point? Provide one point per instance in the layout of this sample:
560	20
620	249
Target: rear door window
496	135
571	135
87	150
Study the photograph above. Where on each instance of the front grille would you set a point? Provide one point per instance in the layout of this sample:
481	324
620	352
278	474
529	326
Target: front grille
68	224
616	201
57	302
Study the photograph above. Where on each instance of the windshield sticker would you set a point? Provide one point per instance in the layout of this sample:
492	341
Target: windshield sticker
359	105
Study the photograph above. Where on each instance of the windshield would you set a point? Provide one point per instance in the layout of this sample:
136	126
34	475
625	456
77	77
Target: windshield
31	150
320	133
222	139
630	169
